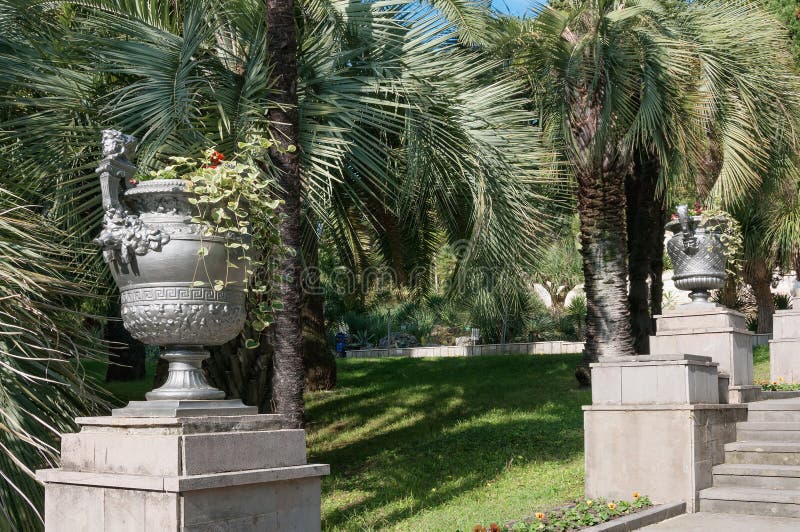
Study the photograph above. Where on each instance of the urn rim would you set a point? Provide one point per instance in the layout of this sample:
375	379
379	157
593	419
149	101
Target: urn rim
674	226
158	186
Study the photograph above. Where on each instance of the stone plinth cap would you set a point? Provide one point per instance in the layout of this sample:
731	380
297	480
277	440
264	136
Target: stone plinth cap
182	484
183	425
666	406
656	360
185	408
698	310
704	330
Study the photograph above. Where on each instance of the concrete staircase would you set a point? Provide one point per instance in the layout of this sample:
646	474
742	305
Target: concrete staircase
761	473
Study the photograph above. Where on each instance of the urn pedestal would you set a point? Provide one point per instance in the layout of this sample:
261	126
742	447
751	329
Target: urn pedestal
220	473
185	459
784	348
658	423
655	426
716	332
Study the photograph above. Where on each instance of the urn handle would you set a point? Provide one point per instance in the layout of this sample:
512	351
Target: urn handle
124	234
689	240
116	167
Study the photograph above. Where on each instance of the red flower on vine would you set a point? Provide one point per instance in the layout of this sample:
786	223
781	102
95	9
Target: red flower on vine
215	159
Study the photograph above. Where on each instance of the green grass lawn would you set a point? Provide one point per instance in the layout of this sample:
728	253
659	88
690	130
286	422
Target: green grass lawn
761	363
440	443
443	444
123	391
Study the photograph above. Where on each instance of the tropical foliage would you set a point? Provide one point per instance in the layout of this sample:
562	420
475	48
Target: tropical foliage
42	343
409	136
671	82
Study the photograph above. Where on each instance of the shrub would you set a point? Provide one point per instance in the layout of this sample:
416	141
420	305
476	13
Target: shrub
576	516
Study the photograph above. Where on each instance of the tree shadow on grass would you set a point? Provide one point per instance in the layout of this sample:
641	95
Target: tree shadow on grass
433	429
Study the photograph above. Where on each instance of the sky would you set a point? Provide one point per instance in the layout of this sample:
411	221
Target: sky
514	7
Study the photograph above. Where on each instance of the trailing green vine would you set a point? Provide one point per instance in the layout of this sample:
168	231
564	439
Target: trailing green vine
233	200
730	235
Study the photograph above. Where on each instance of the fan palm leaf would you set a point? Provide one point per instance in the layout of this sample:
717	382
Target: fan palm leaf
42	341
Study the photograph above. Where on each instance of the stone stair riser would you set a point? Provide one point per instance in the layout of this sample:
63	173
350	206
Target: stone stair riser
774	416
756	457
749	507
769	435
761	472
757	481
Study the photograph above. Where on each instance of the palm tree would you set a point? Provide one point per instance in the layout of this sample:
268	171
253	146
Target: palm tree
770	226
613	79
783	223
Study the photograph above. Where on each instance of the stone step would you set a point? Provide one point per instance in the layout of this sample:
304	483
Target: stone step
766	476
751	501
773	416
768	431
776	410
762	452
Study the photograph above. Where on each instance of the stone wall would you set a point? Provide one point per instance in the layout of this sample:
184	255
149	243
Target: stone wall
527	348
665	451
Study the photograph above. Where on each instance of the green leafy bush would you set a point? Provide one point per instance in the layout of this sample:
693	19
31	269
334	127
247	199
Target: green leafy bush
779	386
576	516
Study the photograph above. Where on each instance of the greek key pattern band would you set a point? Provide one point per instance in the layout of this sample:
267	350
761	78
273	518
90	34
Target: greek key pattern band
181	294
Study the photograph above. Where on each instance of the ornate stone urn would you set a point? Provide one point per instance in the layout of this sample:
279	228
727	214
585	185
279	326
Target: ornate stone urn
698	255
166	286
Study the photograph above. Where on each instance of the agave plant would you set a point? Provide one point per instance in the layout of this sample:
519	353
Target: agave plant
42	344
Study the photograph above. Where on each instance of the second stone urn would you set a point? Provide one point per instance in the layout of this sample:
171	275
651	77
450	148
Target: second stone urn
698	255
166	282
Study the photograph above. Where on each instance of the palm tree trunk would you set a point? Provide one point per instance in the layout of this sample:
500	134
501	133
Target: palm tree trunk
709	168
728	295
657	263
394	245
601	197
241	372
601	208
288	377
643	217
318	359
759	276
320	363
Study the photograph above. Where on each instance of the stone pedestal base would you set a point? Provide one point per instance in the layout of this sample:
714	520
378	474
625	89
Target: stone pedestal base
183	474
712	331
185	408
784	348
655	379
664	451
